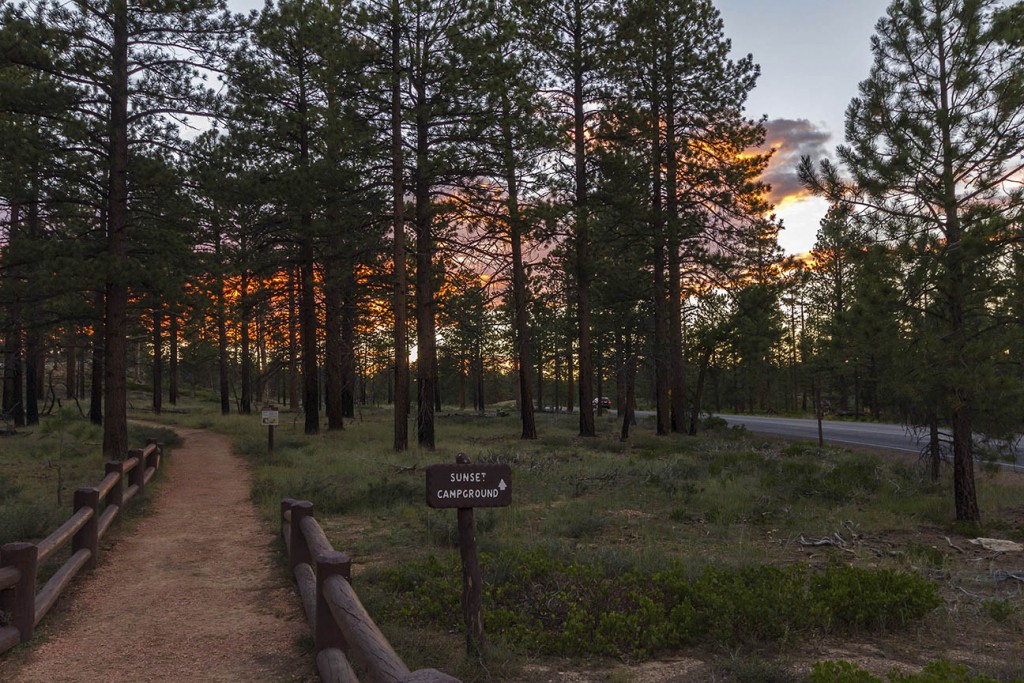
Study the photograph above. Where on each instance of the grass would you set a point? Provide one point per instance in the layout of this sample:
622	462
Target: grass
726	500
42	465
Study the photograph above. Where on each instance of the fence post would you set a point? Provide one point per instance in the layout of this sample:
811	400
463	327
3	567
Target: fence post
328	633
20	601
158	452
116	495
138	473
88	536
298	552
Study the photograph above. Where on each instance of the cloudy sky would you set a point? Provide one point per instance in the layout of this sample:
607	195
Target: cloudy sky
812	53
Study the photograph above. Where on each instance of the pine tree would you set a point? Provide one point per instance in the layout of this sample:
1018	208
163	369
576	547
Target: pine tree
936	131
131	68
572	36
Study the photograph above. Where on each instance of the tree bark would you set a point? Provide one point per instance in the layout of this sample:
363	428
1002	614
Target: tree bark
308	331
662	350
71	370
333	350
245	342
399	277
570	379
172	360
522	326
349	317
158	358
14	406
33	374
425	332
628	401
222	340
699	393
582	237
293	342
964	492
677	378
115	398
98	354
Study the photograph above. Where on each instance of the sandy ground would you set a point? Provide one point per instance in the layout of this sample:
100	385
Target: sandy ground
192	594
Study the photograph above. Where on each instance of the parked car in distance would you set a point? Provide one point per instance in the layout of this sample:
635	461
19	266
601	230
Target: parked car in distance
603	402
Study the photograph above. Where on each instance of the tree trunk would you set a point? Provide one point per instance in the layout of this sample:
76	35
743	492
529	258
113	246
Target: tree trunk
522	326
222	342
662	348
964	493
582	241
425	337
308	331
480	377
557	378
570	371
349	317
934	448
14	406
293	342
245	342
332	349
628	373
699	393
677	379
399	277
71	370
158	358
96	382
172	360
33	375
115	398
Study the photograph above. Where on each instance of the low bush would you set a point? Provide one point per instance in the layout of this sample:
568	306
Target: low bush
936	672
552	607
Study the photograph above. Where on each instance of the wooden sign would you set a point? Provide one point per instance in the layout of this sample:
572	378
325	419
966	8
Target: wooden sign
469	486
269	418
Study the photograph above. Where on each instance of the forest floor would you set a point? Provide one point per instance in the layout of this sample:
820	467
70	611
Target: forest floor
192	593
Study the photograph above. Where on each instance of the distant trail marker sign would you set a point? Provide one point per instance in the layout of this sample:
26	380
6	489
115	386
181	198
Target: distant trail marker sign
464	486
270	418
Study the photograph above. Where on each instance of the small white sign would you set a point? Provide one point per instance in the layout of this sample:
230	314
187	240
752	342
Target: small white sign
269	418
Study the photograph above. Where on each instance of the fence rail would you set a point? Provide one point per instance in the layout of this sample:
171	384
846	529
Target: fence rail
341	627
21	607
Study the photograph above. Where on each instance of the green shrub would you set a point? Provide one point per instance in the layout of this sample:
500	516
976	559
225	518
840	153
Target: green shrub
8	489
386	493
28	521
741	670
323	491
935	672
856	598
555	607
841	672
713	422
928	555
998	610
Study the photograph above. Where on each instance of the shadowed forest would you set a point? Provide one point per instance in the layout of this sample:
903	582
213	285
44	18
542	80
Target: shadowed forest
442	204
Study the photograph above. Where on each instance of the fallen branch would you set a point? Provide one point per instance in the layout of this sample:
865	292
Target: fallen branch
1000	575
952	545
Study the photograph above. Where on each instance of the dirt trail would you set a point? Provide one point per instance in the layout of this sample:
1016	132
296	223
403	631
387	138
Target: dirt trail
191	595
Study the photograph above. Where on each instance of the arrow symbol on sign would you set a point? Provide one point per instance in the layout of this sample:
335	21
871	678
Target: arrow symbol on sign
502	485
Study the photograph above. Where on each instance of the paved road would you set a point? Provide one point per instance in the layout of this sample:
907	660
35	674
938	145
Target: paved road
875	435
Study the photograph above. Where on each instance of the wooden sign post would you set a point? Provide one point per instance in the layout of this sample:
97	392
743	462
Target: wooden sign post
464	486
270	417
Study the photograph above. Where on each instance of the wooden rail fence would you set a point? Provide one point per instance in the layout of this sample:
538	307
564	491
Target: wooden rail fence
21	608
340	625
